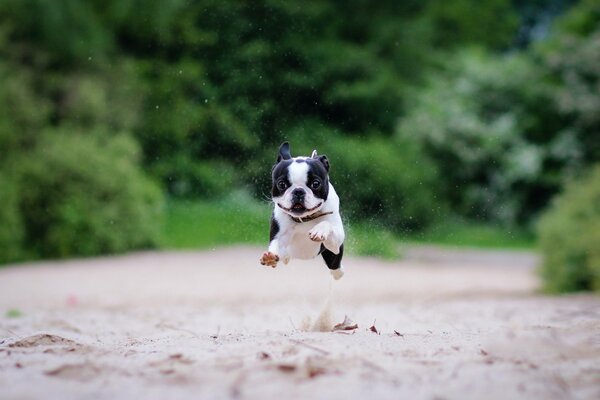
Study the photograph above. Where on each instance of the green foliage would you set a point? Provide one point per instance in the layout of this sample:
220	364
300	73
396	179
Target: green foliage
239	218
365	239
464	233
11	226
463	22
185	137
393	183
210	88
72	32
485	122
23	112
574	62
581	20
84	195
104	98
236	218
569	234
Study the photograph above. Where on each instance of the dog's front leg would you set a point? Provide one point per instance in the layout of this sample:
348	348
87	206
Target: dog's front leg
271	256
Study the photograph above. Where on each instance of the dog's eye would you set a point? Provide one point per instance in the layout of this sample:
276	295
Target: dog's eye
315	184
281	185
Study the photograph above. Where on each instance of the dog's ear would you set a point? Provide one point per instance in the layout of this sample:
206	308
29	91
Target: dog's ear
284	152
324	161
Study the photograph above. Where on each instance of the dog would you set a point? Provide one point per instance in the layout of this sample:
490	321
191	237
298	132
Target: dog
306	219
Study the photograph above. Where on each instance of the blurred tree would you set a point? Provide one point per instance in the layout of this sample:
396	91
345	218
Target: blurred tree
489	123
11	224
491	24
572	55
581	20
209	88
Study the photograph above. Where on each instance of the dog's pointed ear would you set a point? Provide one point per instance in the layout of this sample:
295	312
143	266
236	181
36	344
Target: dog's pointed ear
314	154
324	161
284	152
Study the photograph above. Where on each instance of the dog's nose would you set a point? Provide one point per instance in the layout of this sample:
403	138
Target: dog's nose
298	193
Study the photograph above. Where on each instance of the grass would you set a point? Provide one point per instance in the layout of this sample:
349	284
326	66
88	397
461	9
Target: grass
456	233
205	223
240	219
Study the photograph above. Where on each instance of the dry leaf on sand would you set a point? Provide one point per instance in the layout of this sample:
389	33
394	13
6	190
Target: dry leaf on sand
346	325
373	328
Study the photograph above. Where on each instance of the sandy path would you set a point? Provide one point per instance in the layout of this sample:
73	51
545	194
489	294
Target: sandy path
218	325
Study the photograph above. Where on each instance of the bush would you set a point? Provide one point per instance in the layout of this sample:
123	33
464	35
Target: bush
569	237
85	195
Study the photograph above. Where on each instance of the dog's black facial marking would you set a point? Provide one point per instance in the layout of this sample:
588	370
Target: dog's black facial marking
317	179
300	160
280	178
274	228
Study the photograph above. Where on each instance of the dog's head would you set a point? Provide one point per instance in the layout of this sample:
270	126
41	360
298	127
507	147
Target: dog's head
300	184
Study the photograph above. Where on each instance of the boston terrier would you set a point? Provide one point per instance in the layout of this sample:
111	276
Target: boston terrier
306	219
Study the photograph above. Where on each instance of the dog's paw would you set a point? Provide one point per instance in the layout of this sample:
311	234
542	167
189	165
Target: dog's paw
320	232
269	259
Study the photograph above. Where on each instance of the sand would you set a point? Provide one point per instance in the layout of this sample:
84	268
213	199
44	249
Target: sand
217	325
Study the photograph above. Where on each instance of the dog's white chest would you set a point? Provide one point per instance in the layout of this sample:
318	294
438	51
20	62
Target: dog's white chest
295	243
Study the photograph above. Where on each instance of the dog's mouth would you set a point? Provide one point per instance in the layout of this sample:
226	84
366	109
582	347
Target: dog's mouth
298	208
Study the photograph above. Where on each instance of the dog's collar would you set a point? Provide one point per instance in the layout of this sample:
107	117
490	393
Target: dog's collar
310	217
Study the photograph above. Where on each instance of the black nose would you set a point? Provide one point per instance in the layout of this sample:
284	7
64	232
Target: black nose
299	193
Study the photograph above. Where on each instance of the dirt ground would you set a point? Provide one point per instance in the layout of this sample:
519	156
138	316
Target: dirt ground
217	325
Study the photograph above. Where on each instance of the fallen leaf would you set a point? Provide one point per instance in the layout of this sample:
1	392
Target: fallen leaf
286	367
483	352
373	328
264	356
346	325
398	334
314	371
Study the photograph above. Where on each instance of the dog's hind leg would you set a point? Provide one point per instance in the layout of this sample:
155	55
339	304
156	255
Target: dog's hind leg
333	261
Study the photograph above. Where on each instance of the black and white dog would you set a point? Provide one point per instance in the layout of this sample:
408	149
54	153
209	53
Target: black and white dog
306	219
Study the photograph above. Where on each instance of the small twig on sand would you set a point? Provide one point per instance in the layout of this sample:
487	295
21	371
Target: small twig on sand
373	365
12	333
309	346
292	323
174	328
